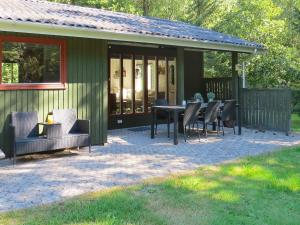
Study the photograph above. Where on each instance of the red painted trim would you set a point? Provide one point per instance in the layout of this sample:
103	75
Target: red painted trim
0	60
39	86
34	40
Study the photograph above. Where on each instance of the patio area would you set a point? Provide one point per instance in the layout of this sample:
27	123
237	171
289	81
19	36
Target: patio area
129	157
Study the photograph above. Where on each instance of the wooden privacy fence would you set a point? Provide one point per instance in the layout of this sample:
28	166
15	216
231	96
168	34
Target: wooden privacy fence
222	87
267	109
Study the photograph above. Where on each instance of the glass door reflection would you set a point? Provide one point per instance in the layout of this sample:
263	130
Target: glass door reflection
162	79
115	85
139	84
127	92
151	81
172	81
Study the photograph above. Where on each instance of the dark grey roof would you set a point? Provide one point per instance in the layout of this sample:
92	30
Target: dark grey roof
43	12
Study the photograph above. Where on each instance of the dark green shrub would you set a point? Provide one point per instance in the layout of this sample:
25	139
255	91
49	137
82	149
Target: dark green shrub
296	100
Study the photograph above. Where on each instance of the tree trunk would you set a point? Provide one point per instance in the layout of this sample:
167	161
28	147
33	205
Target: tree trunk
145	7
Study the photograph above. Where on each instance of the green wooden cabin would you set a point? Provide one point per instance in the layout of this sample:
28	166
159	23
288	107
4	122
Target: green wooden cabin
109	66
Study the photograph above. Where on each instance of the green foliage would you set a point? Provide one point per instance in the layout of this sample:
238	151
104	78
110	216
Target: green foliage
208	13
274	23
296	100
296	121
275	68
217	64
198	97
10	73
296	22
265	22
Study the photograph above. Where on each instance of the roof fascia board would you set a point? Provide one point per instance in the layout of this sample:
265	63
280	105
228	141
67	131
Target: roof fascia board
47	29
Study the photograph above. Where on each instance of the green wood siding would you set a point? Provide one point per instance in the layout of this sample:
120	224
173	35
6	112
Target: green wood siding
86	91
180	74
193	73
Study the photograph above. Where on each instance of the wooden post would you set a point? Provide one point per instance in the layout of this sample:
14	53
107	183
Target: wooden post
236	90
234	75
104	87
202	84
180	74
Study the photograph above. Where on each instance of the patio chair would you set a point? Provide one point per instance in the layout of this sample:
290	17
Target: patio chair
24	135
211	115
190	117
75	133
228	115
162	116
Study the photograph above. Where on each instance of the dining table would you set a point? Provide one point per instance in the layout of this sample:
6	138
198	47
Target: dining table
171	109
174	110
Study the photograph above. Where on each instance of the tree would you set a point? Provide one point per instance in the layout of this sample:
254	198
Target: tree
274	23
264	22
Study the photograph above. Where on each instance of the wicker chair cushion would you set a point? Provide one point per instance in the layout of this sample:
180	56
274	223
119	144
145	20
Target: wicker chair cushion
32	145
73	140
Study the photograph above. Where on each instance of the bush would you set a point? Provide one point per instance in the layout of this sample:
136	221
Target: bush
296	100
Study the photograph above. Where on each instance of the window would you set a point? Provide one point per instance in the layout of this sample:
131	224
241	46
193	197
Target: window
143	79
32	63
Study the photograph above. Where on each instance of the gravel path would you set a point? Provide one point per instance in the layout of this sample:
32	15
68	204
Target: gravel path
128	158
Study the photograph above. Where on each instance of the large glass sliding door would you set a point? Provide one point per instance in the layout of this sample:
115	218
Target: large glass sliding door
115	85
172	84
127	93
139	84
162	78
142	79
151	81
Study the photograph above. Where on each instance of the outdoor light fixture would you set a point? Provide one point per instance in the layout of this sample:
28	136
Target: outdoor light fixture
242	68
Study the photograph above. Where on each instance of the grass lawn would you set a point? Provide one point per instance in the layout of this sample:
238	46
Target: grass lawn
256	190
296	122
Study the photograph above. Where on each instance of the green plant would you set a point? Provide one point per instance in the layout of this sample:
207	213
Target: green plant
198	96
211	96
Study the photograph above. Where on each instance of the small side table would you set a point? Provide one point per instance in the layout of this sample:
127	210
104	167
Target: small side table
52	130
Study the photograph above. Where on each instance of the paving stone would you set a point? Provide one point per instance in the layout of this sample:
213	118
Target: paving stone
128	158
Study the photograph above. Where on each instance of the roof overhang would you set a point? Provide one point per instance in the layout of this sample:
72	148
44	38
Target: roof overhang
66	31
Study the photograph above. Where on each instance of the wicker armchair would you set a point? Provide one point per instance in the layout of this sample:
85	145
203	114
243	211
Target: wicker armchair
75	133
24	135
67	132
228	117
190	117
211	115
